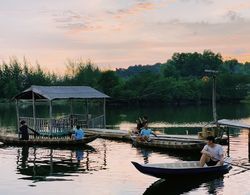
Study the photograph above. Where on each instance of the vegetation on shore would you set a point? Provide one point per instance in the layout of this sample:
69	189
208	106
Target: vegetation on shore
180	80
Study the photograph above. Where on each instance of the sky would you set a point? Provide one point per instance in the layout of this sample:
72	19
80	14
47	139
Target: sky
120	33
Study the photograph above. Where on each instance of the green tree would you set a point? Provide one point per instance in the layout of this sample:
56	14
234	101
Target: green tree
108	81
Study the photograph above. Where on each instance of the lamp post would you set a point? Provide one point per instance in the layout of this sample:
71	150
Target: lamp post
213	73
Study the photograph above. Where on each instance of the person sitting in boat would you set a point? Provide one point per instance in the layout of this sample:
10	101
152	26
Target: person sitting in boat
212	153
146	132
23	130
79	133
140	124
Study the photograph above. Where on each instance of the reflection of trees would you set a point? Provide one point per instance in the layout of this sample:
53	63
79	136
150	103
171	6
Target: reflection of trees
180	186
47	164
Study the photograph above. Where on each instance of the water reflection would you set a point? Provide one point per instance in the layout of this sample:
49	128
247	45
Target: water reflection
48	164
145	153
180	186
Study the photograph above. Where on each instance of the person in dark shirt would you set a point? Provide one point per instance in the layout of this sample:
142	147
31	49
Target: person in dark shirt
24	131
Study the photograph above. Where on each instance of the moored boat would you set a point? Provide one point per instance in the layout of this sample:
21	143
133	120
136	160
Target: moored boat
58	142
170	143
113	134
182	169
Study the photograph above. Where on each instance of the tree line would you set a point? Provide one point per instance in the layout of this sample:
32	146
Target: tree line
179	80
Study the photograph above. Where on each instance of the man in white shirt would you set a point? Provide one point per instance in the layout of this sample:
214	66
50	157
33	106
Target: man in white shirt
212	153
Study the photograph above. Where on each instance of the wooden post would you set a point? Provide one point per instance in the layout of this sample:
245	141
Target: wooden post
34	110
213	72
104	113
87	113
228	143
50	116
71	118
214	99
71	107
248	145
17	117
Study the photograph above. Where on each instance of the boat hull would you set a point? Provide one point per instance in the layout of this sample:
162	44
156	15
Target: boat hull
171	144
167	173
47	142
119	135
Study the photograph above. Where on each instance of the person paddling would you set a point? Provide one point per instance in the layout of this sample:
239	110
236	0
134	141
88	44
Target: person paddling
24	131
212	153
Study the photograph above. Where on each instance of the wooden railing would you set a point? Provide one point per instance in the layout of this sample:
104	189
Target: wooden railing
64	124
97	122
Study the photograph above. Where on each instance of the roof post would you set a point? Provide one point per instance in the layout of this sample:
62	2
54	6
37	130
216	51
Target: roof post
104	113
87	112
17	117
34	110
214	99
71	106
50	116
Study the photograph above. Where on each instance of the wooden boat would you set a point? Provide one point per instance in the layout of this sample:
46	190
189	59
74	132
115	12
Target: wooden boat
182	169
170	143
112	134
58	142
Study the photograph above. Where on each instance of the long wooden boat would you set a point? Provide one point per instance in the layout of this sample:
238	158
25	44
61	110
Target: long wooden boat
112	134
64	142
170	143
182	169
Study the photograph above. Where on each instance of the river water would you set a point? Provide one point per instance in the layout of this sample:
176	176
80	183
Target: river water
104	167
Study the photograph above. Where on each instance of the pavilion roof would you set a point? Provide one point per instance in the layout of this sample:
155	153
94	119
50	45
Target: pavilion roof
60	92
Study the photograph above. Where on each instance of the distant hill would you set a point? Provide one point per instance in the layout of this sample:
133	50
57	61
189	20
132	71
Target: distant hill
137	69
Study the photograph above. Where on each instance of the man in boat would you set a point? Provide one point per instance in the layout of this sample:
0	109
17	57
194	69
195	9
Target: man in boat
212	153
140	124
145	133
24	131
79	133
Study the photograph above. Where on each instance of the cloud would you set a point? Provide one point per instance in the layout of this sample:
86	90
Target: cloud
234	16
134	9
73	21
240	51
198	1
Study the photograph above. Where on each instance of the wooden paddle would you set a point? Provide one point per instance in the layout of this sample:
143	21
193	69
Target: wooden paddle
243	167
34	131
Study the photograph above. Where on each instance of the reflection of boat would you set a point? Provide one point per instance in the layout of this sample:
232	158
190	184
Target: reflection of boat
43	164
181	169
180	186
170	143
64	142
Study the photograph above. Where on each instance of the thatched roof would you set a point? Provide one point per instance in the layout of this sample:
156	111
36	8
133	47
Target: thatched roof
60	92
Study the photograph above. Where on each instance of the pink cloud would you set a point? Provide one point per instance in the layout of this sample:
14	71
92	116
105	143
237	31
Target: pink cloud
134	9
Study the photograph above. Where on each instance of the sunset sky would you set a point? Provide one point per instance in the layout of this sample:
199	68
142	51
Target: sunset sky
120	33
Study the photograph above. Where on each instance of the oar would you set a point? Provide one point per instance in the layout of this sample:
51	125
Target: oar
243	167
34	131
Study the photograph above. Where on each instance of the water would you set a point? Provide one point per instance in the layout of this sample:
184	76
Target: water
105	166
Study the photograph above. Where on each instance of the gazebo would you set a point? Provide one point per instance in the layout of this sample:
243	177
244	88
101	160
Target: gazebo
61	125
